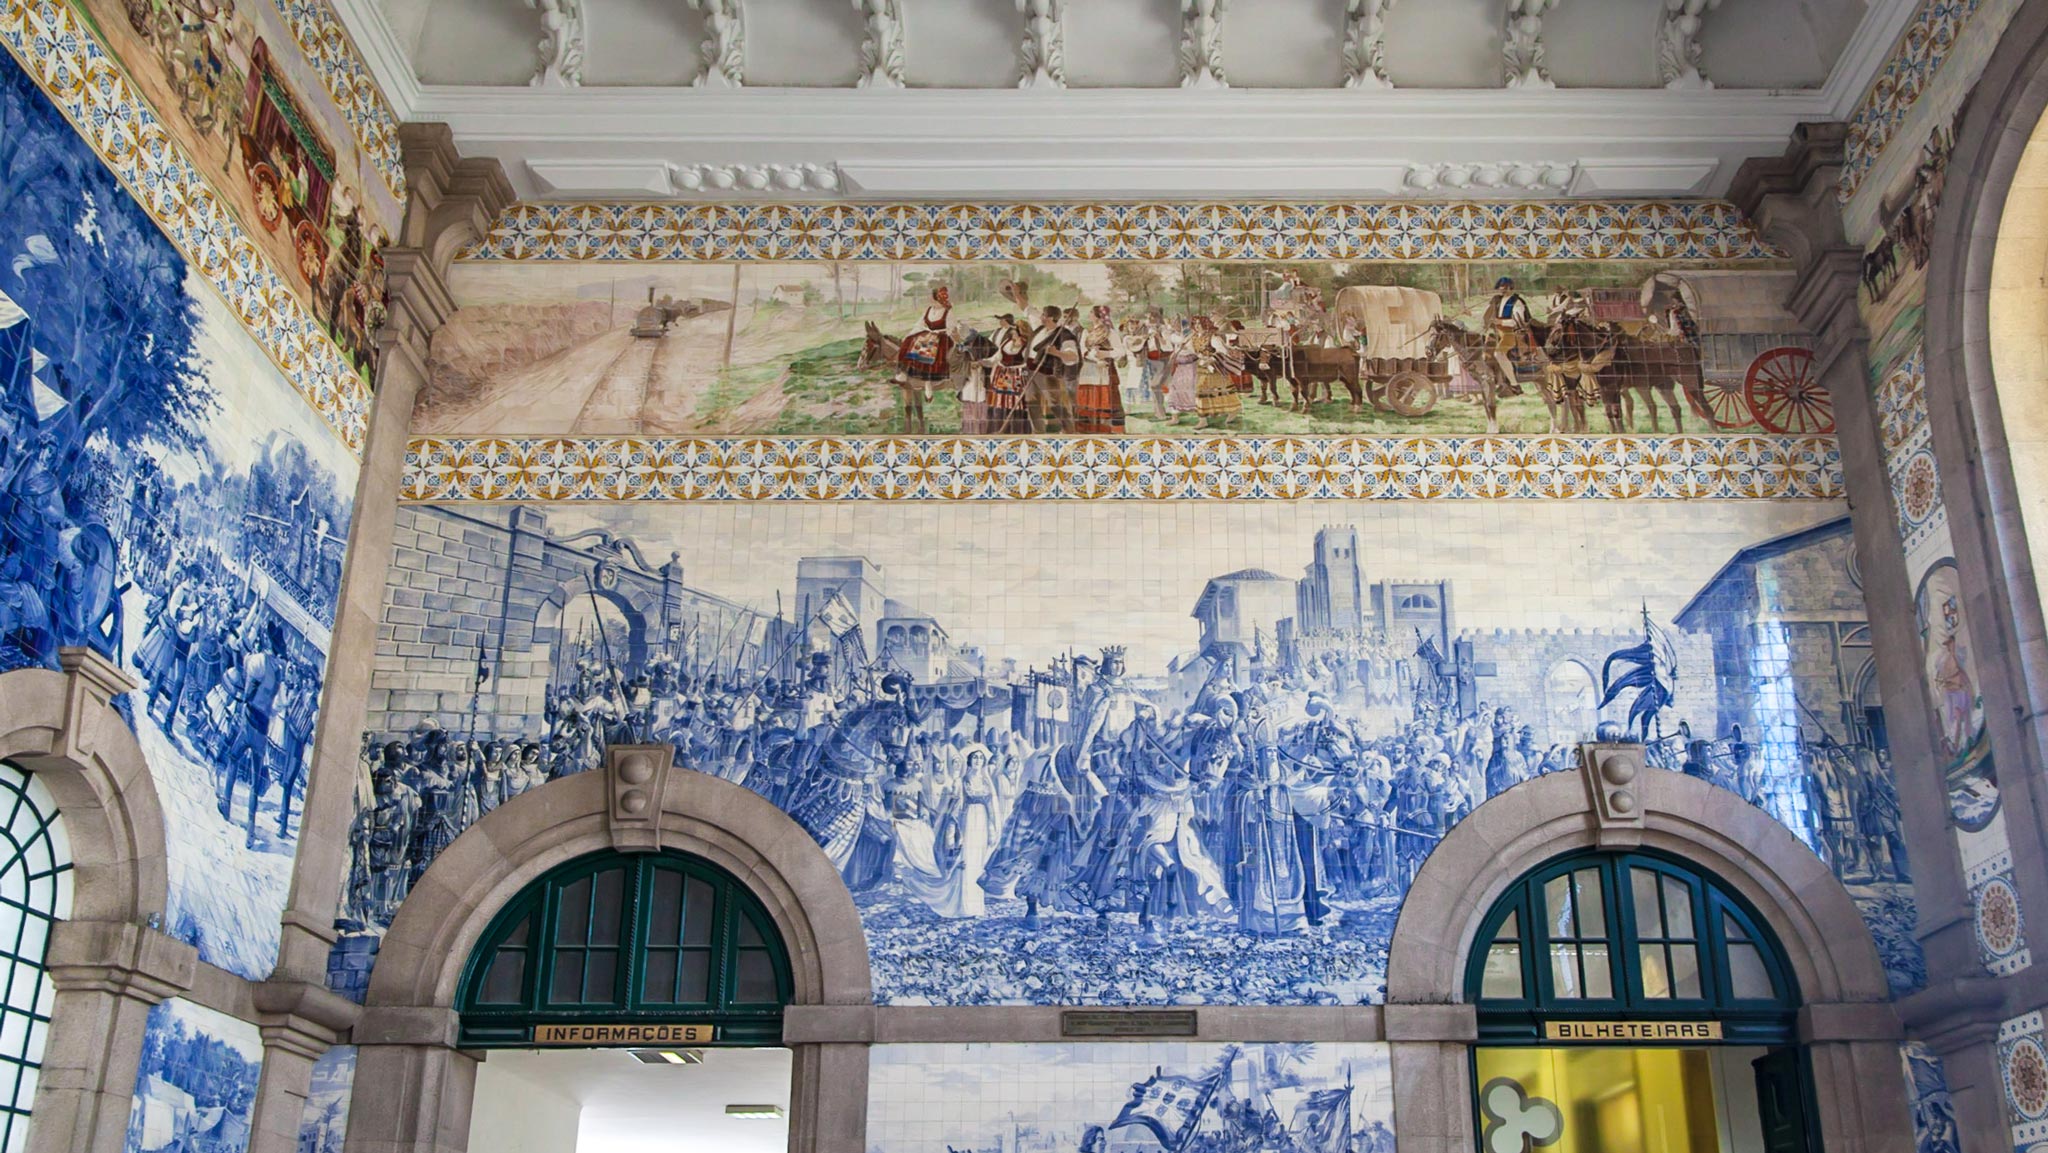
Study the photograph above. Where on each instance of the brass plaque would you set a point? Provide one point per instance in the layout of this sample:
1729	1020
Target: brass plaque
629	1034
1632	1030
1127	1023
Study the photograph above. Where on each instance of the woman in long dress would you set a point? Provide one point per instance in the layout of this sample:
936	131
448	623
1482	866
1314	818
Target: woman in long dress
1098	399
1008	378
1216	395
1183	381
953	890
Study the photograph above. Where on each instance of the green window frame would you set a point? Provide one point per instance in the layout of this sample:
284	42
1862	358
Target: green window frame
36	878
621	938
1637	935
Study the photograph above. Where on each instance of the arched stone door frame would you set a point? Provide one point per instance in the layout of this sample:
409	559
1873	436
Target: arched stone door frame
413	1088
1845	1018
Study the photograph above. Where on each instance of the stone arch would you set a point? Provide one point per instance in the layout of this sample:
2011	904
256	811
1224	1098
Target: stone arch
1987	471
420	962
1830	950
63	728
642	621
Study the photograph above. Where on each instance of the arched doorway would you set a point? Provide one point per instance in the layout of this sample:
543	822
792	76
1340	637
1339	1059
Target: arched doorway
633	1001
1630	1000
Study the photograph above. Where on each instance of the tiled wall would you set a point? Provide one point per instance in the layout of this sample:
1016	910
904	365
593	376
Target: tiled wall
1211	741
196	1088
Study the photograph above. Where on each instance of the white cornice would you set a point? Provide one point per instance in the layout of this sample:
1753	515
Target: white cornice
1132	142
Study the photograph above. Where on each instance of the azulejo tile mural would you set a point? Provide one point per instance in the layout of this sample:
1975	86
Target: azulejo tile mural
1934	1109
689	469
1688	230
52	45
2023	1066
1156	770
1202	1097
166	499
195	1091
976	346
1916	56
324	1126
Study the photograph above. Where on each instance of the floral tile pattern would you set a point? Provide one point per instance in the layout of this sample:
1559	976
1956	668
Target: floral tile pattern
82	78
1549	468
1577	230
1909	450
2023	1066
1913	61
333	55
1995	905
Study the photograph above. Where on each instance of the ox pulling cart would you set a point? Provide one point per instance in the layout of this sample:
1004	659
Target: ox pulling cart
1381	336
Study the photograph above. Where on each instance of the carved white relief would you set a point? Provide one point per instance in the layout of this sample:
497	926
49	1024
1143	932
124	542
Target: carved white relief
1522	47
881	50
1678	43
1201	43
1365	43
561	43
1042	58
725	43
1512	176
778	179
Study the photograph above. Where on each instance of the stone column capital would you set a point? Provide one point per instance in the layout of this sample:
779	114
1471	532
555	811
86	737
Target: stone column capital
301	1017
121	959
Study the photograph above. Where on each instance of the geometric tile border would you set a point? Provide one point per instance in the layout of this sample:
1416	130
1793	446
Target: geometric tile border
1550	468
333	55
1905	74
2000	929
1697	230
81	77
2023	1067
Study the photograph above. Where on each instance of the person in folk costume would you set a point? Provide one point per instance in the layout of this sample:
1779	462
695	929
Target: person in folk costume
1054	350
1183	381
1509	323
1236	361
1216	394
1098	395
1154	356
924	360
1008	377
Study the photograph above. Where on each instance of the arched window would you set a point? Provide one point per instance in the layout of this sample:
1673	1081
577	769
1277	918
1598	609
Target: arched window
1636	935
1418	601
655	938
35	893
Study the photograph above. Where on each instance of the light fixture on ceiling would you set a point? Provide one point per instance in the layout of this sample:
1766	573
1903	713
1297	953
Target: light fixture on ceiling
667	1056
764	1112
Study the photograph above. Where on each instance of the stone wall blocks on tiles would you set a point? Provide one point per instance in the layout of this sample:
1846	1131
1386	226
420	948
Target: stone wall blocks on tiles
406	1025
122	958
303	1017
829	1024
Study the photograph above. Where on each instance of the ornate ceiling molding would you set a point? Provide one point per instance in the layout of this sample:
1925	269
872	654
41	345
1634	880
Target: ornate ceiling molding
1050	468
1522	44
1042	56
1692	231
725	43
1365	49
561	43
881	51
1678	44
1544	179
1201	43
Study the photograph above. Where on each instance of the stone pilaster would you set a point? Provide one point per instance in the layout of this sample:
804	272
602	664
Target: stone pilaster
453	201
414	1089
299	1022
108	975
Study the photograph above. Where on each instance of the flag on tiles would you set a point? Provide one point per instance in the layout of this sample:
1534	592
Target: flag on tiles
1322	1124
1169	1106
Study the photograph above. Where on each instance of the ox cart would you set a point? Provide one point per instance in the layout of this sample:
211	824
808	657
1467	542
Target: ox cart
1753	369
1381	354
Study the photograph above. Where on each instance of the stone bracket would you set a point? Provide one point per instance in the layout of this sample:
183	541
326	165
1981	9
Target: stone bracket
91	684
1612	773
121	959
635	776
302	1017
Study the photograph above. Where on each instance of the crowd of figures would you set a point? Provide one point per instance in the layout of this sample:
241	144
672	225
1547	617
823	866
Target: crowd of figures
1264	805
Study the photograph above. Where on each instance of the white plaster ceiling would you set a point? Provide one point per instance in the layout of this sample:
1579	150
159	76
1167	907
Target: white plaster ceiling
624	1106
1126	122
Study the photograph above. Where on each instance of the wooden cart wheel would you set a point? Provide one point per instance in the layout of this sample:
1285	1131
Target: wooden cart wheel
1411	393
1376	392
312	251
1785	395
269	200
1721	404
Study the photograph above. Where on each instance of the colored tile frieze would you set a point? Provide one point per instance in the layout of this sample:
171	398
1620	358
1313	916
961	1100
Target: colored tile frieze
1915	58
1155	468
84	81
1574	230
334	56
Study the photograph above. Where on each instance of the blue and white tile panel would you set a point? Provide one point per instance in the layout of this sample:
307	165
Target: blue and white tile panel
82	78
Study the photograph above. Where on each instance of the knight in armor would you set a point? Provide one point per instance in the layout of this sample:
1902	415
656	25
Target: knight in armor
380	875
252	686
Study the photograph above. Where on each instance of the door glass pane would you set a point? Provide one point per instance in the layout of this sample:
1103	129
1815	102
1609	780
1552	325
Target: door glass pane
506	979
750	934
608	907
697	912
1656	979
1685	972
1610	1100
1678	910
1510	927
603	976
696	978
1557	907
1649	921
567	987
1732	929
659	985
1592	907
665	918
1748	980
1503	976
573	919
1564	972
1599	981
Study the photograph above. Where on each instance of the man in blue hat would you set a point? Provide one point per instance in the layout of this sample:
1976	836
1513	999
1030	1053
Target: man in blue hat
1507	320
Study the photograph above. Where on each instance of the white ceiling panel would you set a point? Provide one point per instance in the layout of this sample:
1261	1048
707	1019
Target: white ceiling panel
1285	44
803	43
642	42
1445	44
960	43
1123	43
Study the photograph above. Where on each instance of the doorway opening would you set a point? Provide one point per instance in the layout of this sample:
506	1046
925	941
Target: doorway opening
629	1003
1633	1001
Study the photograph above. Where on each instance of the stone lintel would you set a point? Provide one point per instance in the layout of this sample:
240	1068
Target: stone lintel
121	959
